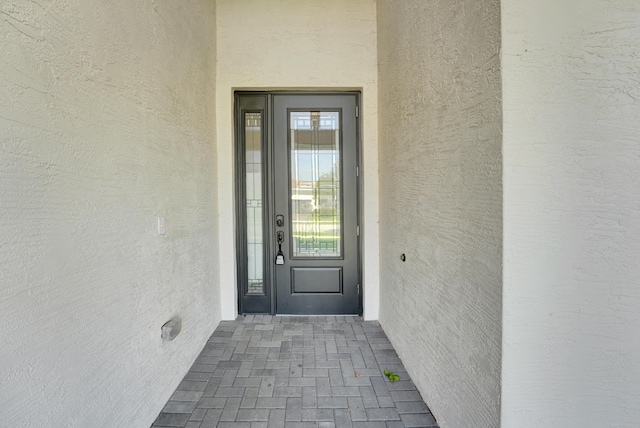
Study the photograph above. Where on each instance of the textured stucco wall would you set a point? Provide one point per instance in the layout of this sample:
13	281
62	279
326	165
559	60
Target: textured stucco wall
266	44
106	121
441	201
571	349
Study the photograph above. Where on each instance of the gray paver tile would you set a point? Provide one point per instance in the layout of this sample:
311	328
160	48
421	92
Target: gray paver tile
227	392
245	369
198	415
313	372
212	387
229	377
382	414
211	403
302	381
283	381
345	391
186	396
342	418
368	372
309	397
203	368
322	387
347	368
207	359
266	387
189	385
411	407
317	415
211	351
293	411
402	385
253	415
247	381
358	361
379	386
287	391
331	357
198	376
332	402
211	419
271	403
356	408
327	364
369	358
405	396
171	420
385	401
278	364
387	359
335	377
418	420
357	381
179	407
276	418
369	397
230	411
250	398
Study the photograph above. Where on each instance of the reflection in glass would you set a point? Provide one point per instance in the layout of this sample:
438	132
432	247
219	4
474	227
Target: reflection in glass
315	183
253	196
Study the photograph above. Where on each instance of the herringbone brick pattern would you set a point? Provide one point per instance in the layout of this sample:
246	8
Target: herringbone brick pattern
288	371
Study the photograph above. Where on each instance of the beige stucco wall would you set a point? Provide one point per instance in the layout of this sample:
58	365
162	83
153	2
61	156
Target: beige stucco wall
292	44
571	348
441	201
106	121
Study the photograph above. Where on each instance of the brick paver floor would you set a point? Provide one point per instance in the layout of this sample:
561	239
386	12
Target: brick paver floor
295	371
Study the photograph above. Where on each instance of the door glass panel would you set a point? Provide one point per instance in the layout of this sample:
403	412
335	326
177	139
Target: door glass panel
254	202
315	184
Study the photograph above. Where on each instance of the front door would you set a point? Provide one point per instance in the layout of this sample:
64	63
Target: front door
309	244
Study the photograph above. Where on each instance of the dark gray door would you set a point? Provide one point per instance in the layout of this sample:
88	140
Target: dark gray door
315	209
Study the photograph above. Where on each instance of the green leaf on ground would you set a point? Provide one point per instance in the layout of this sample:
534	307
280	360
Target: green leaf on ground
392	376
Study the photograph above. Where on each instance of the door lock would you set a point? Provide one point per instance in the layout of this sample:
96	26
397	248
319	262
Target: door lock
280	220
280	255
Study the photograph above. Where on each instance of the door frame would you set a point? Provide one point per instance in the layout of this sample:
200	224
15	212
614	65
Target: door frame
264	103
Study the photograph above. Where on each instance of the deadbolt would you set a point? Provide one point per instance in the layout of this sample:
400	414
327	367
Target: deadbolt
280	220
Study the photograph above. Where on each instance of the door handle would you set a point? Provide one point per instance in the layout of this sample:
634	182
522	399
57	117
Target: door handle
280	255
280	220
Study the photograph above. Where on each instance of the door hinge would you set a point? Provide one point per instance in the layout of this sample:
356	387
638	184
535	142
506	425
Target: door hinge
358	289
357	171
358	230
357	112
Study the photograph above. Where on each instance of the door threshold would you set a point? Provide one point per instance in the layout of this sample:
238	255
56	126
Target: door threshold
316	315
